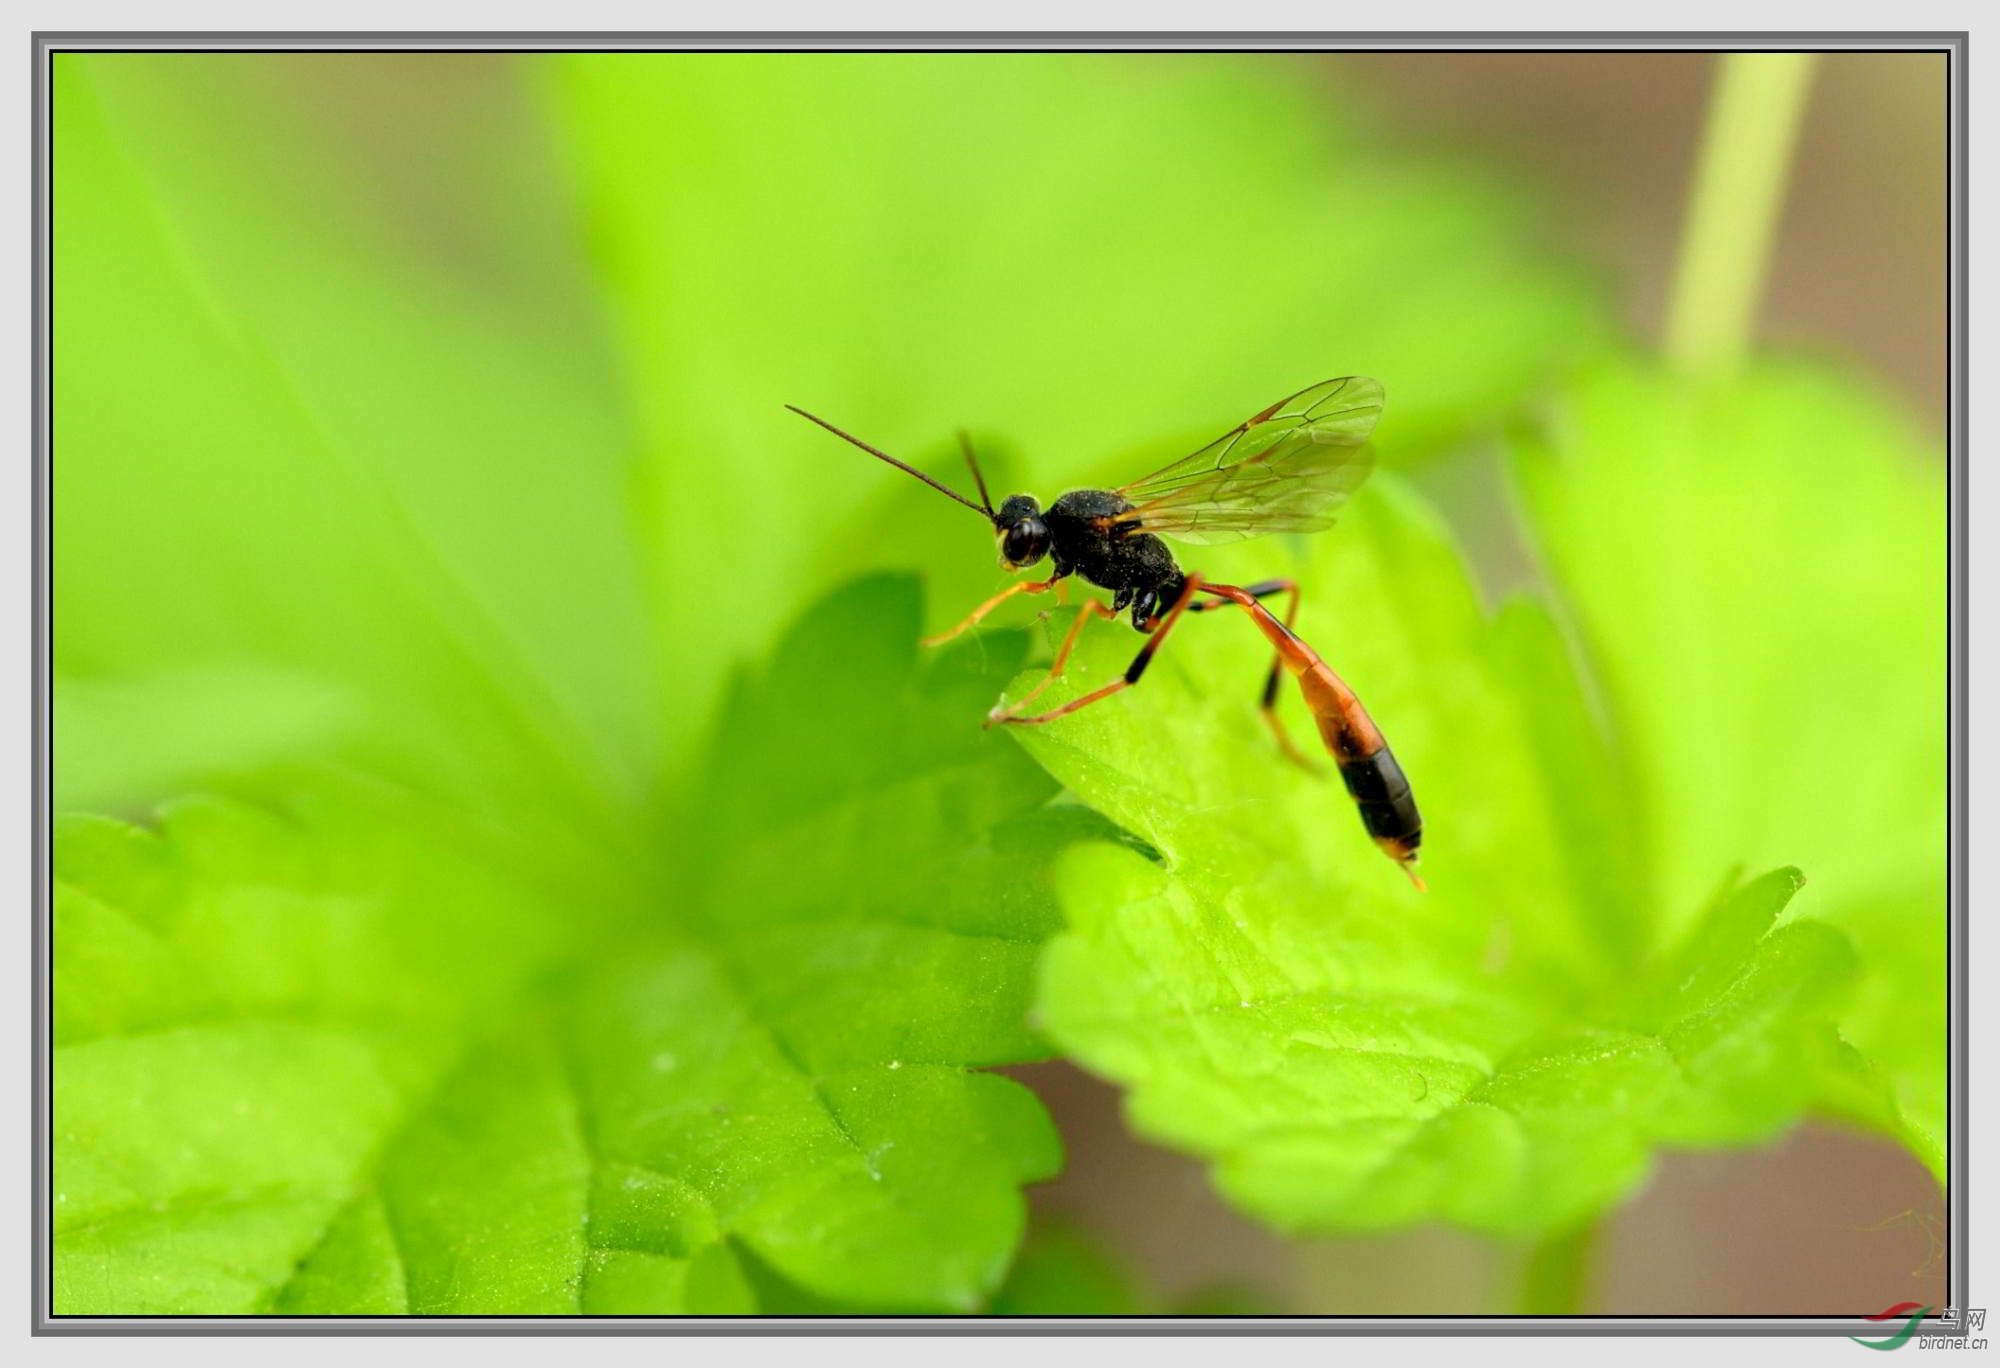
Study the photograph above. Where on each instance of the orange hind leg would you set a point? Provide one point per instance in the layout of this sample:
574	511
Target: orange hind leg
1267	702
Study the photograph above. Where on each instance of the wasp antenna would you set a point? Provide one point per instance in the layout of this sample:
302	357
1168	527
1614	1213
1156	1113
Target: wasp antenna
965	445
883	455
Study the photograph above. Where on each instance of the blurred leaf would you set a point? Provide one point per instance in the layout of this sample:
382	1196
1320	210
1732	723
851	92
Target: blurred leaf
174	728
1759	574
351	1060
1103	260
1062	1271
1227	1299
288	454
1352	1054
1065	1270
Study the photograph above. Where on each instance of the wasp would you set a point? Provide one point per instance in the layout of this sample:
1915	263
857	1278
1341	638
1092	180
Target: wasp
1287	468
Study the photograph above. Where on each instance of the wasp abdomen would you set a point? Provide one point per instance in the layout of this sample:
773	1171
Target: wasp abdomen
1388	810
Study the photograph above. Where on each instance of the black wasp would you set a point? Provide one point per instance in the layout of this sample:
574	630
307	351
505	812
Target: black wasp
1286	469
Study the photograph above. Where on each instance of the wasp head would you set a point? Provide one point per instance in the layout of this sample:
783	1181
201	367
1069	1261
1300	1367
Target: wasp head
1024	537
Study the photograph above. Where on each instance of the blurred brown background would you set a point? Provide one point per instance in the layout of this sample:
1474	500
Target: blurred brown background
1859	262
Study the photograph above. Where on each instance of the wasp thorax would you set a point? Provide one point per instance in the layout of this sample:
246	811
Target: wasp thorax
1024	537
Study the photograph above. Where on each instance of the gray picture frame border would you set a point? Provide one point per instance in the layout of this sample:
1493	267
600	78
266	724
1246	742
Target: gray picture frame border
46	45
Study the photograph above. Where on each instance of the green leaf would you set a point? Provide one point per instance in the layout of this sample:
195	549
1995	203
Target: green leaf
357	1058
1352	1054
1759	574
1095	262
249	1003
313	501
1063	1272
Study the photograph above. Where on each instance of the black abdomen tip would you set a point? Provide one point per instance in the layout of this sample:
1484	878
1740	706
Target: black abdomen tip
1382	794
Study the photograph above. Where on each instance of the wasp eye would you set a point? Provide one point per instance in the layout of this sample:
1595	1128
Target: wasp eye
1026	542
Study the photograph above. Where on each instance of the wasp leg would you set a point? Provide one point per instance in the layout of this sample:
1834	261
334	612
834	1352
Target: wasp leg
1267	705
1091	608
1374	780
1017	587
1132	671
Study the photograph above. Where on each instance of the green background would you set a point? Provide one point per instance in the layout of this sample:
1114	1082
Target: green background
520	860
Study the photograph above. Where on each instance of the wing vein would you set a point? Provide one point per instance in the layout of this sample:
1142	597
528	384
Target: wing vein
1286	470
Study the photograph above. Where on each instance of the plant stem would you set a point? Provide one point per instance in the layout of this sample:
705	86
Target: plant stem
1739	183
1556	1278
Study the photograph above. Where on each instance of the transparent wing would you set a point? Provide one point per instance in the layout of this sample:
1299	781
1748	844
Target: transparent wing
1285	470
